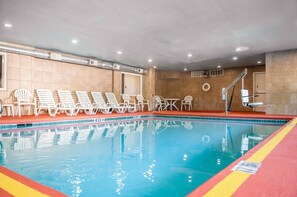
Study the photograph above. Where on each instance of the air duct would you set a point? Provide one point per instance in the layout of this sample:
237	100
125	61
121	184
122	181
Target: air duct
71	59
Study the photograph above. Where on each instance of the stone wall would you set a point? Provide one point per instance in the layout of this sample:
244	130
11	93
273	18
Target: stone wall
281	85
180	84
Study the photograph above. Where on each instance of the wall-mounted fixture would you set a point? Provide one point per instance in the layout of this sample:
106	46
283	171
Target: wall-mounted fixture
208	73
71	59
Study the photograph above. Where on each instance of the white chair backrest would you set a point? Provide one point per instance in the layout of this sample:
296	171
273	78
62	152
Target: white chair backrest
45	97
126	98
158	99
22	95
139	98
98	98
245	95
83	97
112	99
65	97
188	98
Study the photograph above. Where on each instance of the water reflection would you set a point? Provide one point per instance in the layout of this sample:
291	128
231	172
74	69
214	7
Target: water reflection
123	157
43	138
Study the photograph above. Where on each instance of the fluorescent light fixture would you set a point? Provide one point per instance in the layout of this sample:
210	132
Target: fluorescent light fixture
154	67
235	58
185	69
190	55
149	60
74	41
119	52
219	66
259	62
7	25
241	48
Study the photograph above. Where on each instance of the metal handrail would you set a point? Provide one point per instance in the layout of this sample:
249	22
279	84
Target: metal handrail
225	90
1	106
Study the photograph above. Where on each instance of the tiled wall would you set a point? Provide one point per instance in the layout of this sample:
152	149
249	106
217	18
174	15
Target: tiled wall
281	85
32	73
180	84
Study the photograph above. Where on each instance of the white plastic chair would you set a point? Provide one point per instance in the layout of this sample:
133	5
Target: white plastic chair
85	104
100	103
113	102
130	103
160	104
142	102
24	98
246	101
187	102
67	102
46	102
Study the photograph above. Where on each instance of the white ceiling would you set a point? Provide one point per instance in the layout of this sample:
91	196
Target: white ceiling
163	30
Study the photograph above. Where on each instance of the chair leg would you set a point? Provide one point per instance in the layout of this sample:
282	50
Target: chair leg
29	110
35	110
19	110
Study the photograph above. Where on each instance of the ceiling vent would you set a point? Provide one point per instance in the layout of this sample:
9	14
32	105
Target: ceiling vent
56	56
93	62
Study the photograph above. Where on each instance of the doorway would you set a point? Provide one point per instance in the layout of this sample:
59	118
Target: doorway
259	88
131	84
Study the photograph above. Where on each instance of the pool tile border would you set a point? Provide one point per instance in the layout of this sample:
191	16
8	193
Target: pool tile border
139	117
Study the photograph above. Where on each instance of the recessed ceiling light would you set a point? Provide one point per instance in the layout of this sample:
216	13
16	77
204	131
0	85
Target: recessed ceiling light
219	66
74	41
154	67
259	62
185	69
149	60
235	58
119	52
241	48
190	55
7	25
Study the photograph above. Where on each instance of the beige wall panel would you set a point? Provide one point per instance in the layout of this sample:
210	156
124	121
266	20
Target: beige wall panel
281	69
180	84
13	73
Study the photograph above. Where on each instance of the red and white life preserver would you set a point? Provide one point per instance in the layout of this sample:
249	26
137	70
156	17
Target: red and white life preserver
206	87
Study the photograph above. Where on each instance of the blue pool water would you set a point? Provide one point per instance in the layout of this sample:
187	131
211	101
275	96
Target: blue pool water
161	157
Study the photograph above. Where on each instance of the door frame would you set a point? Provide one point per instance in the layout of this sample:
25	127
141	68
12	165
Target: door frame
140	85
254	79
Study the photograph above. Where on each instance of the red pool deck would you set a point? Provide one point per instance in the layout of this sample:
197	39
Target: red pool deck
277	175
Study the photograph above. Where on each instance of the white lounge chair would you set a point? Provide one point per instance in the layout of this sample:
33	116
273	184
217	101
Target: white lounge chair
187	102
67	102
113	102
24	97
245	99
100	103
85	104
46	102
130	103
142	102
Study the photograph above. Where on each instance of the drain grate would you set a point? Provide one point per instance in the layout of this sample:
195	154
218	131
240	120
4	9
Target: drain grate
247	167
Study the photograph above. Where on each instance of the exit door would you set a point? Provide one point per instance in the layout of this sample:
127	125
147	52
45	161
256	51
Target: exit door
131	84
259	89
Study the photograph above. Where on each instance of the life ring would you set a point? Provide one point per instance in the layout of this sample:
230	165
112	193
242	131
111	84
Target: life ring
205	139
206	87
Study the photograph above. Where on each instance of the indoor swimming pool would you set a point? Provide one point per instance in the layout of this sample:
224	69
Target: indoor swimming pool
146	156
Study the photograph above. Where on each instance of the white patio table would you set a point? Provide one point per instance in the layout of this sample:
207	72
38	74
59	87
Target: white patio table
171	103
